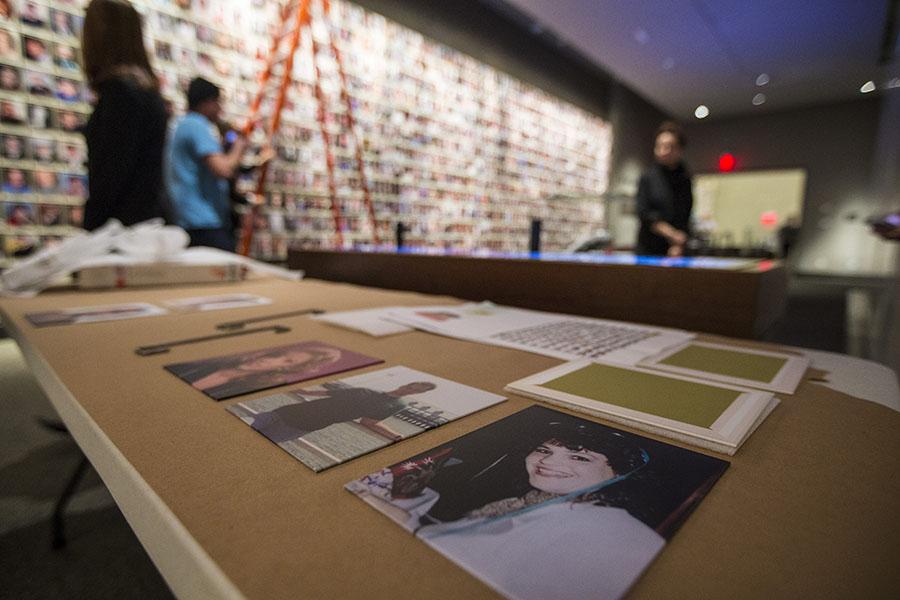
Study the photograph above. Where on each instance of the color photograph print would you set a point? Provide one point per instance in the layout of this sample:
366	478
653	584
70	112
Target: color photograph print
223	301
332	423
236	374
93	314
542	504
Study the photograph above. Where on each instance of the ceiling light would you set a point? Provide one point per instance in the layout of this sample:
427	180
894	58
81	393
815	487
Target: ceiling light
701	112
759	99
641	36
762	79
867	87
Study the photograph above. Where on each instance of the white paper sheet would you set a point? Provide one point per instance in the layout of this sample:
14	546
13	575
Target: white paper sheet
372	321
561	336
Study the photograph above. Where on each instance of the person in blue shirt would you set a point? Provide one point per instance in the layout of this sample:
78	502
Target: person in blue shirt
198	169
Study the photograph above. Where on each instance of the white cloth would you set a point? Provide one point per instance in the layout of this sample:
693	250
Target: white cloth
559	550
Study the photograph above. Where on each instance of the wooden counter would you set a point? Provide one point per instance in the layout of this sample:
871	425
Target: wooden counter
743	300
808	508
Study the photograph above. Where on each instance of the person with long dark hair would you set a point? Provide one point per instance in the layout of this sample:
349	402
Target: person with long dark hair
126	133
543	510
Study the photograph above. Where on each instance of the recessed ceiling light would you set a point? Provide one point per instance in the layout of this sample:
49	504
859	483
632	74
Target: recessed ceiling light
867	87
701	112
641	36
668	63
759	99
762	79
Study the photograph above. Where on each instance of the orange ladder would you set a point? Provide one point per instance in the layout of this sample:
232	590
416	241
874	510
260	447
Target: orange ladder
294	16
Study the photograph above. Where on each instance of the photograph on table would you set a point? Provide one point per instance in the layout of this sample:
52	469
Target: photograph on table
40	117
332	423
542	504
16	181
10	79
18	214
219	302
93	314
13	147
236	374
12	112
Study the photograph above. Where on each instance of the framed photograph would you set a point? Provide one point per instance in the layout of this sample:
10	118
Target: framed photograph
65	57
16	181
74	185
236	374
51	214
45	182
7	12
68	90
39	116
34	14
35	50
18	214
63	23
39	84
10	78
41	150
76	215
332	423
70	121
17	246
13	147
543	504
71	153
9	46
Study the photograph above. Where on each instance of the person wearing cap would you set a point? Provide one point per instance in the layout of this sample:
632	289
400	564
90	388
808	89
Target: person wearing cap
198	169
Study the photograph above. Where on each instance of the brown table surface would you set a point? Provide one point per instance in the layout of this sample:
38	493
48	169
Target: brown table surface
809	508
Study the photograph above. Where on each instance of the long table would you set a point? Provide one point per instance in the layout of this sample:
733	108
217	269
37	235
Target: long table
724	296
807	509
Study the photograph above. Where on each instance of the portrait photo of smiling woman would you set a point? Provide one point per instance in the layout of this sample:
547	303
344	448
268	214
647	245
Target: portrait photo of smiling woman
546	505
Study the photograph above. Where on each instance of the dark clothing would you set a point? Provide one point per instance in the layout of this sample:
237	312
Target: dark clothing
125	138
223	239
343	403
663	195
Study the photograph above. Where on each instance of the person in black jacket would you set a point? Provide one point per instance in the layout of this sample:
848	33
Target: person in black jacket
664	197
126	133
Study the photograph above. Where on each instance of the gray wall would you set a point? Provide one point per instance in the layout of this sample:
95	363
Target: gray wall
847	180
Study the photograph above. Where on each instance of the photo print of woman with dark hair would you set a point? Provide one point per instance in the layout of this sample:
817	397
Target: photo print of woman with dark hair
542	504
